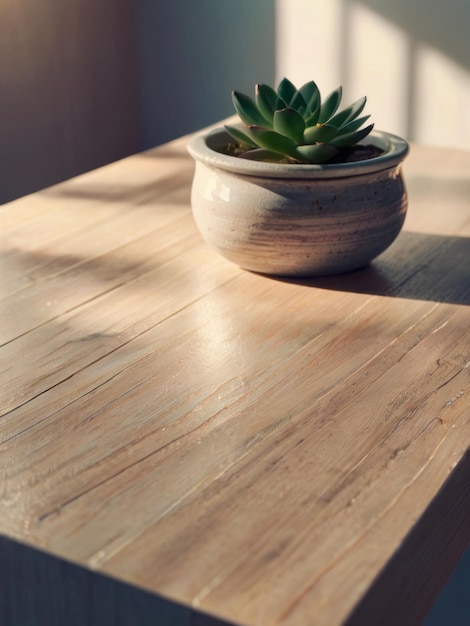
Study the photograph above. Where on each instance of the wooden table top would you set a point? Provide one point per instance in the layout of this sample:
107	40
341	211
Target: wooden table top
265	451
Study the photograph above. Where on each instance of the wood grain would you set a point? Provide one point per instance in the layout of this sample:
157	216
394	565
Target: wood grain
264	451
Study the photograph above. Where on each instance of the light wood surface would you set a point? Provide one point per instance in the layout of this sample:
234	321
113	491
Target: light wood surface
264	451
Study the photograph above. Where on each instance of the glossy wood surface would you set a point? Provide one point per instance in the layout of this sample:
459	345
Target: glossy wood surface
265	451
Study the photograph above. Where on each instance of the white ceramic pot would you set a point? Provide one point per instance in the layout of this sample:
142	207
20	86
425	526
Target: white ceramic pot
298	220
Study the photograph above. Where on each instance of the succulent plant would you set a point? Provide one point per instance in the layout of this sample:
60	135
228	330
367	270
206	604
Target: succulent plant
295	125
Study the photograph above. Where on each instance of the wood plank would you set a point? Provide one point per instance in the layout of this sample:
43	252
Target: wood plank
261	450
77	335
312	501
29	241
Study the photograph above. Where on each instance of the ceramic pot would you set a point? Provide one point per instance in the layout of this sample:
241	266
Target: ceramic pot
298	220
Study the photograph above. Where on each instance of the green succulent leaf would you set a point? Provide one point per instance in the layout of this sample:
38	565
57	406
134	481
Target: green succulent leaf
273	141
280	104
350	139
311	95
353	125
247	110
286	90
260	154
241	134
312	119
266	101
330	105
318	153
294	124
349	113
322	133
289	123
298	103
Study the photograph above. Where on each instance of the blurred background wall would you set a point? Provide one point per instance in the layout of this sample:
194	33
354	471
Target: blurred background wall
86	82
193	53
68	89
410	57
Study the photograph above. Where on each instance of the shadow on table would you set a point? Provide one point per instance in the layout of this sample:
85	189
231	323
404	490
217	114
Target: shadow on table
165	184
417	266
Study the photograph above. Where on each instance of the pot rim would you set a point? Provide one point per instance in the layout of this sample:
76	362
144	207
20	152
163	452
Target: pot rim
203	148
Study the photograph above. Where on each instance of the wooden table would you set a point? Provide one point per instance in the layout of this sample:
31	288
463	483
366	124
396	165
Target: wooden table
257	450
